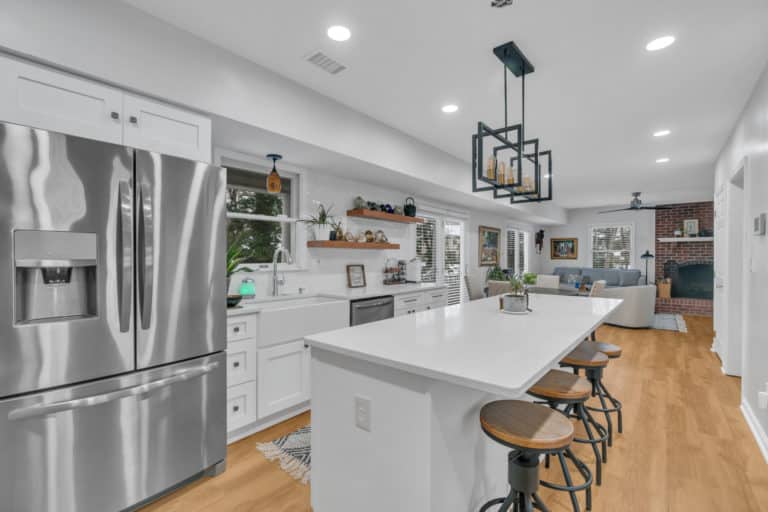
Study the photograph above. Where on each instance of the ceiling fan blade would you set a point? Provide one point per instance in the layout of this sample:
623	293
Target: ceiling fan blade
619	210
660	207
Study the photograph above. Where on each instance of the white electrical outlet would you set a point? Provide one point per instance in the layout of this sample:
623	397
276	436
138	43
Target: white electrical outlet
762	400
363	413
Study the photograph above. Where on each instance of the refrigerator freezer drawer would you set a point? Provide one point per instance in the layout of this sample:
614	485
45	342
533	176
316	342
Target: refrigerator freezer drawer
108	444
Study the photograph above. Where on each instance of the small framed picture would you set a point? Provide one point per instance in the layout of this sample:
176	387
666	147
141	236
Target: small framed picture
356	276
691	227
564	249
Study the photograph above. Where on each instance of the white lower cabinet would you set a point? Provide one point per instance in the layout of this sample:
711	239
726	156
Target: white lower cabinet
282	377
241	362
241	405
417	302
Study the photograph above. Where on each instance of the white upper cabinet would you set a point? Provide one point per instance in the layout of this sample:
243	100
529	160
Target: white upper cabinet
165	129
39	97
42	97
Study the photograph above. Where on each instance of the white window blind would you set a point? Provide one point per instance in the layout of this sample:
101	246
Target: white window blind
426	249
452	240
517	250
611	246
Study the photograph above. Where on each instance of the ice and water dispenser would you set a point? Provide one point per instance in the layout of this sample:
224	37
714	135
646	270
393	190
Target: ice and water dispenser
55	276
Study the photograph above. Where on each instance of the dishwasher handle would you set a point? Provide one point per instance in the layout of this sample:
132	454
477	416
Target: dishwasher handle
369	304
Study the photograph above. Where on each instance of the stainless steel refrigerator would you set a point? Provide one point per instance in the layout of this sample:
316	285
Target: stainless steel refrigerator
112	322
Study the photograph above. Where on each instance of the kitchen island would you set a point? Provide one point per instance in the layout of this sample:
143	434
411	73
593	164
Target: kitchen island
395	403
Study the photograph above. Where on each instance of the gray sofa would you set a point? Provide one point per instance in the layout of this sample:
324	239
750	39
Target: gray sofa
612	276
639	304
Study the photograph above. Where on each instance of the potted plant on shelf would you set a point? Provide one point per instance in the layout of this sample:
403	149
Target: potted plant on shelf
337	229
320	224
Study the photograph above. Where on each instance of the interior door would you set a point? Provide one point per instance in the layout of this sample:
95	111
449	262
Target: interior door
66	234
180	246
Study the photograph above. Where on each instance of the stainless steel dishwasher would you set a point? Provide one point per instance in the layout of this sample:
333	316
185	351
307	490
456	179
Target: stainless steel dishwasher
364	311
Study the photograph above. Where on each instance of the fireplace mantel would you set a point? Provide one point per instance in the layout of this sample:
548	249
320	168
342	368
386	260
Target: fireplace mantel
687	239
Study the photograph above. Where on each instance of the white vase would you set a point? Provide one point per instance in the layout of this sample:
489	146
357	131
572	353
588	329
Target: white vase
322	232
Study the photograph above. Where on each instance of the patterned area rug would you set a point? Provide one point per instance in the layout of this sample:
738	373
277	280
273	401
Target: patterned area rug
293	452
669	322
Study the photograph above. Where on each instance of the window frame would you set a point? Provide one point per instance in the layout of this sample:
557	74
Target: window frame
630	225
247	162
441	218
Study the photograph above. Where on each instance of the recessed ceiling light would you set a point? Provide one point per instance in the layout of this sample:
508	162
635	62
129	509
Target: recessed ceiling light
339	33
660	43
661	133
662	160
450	109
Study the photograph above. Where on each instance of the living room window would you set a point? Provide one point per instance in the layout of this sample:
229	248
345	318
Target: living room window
612	246
517	250
439	244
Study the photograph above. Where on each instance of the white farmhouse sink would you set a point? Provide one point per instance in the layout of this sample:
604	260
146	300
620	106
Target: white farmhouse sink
287	319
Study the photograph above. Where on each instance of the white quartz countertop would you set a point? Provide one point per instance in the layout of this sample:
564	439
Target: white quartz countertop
474	344
254	306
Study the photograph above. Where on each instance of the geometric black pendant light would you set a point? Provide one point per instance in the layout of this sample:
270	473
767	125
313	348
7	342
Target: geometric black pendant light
503	159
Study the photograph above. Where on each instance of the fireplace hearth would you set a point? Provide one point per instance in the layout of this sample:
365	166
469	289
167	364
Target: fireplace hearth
690	279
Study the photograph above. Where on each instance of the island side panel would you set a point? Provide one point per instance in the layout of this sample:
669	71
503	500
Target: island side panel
385	469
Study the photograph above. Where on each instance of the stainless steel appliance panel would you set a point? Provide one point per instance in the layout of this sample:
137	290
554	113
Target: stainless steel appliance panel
180	258
364	311
52	183
108	444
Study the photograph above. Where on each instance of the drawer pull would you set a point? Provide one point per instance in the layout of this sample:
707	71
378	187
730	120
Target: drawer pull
236	408
411	300
236	329
236	364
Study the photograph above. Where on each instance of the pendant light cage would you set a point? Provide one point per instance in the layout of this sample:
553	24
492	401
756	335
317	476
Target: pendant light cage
503	160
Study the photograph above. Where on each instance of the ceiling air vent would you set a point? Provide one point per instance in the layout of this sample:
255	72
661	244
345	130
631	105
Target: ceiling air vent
326	63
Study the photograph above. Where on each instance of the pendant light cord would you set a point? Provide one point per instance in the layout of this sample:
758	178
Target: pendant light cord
506	108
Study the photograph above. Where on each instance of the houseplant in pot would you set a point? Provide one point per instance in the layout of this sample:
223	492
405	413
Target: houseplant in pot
320	224
516	301
236	256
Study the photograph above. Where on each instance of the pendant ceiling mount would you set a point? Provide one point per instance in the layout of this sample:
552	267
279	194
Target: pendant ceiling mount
274	184
503	159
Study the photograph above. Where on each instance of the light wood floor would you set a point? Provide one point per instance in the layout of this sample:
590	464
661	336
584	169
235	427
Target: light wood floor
685	447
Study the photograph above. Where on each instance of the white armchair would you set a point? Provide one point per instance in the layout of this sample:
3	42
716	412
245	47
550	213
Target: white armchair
547	281
638	307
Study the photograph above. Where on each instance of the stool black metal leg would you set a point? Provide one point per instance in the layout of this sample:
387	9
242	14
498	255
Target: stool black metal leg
605	409
616	405
538	503
505	502
595	449
568	481
601	431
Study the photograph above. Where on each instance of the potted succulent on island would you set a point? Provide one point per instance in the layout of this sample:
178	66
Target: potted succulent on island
516	301
321	223
235	259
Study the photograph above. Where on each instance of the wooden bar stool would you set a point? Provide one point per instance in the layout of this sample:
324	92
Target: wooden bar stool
587	357
613	352
569	393
530	430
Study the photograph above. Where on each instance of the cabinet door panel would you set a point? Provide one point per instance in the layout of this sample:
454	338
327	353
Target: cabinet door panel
40	97
158	127
283	377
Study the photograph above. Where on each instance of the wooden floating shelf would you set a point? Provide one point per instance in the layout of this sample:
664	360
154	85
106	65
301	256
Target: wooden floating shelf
391	217
687	239
343	244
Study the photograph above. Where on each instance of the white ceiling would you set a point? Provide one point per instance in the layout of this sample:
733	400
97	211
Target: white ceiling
595	98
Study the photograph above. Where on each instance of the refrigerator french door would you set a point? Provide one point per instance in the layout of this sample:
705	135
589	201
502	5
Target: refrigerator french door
112	322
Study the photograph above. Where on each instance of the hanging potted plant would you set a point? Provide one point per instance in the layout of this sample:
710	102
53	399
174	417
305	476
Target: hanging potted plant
320	224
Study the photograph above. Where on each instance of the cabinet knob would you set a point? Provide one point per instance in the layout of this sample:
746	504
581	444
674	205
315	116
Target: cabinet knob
236	329
236	364
114	115
236	408
133	119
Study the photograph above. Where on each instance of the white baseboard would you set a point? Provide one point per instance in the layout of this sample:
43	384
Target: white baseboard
757	430
250	429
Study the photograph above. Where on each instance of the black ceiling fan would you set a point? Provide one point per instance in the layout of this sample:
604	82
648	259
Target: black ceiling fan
637	204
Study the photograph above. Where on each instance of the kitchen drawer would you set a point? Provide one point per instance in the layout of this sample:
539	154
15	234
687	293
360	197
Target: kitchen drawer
241	405
241	362
409	301
436	298
411	310
241	327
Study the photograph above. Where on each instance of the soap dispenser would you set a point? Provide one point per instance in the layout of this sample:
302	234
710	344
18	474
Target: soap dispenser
247	288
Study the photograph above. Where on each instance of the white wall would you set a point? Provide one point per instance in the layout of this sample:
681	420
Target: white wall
114	42
578	226
750	141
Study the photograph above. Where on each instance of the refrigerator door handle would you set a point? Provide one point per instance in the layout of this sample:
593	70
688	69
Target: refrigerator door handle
125	255
90	401
147	257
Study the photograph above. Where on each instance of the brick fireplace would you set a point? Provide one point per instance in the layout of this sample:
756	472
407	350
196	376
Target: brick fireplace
688	264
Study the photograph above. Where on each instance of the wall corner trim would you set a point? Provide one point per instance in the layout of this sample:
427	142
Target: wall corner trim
757	430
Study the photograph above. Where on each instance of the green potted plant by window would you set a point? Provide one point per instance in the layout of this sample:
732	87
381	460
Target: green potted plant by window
320	224
529	279
235	258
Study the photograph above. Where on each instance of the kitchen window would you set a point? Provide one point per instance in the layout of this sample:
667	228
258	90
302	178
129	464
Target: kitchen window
257	220
517	251
440	245
612	246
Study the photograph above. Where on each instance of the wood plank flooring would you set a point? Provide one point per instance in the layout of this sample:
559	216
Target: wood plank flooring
685	447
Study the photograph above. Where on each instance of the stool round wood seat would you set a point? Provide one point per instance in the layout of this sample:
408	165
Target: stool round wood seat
585	356
526	426
561	386
609	349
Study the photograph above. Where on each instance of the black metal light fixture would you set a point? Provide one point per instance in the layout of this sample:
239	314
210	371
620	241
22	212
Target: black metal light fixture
646	256
503	160
274	185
